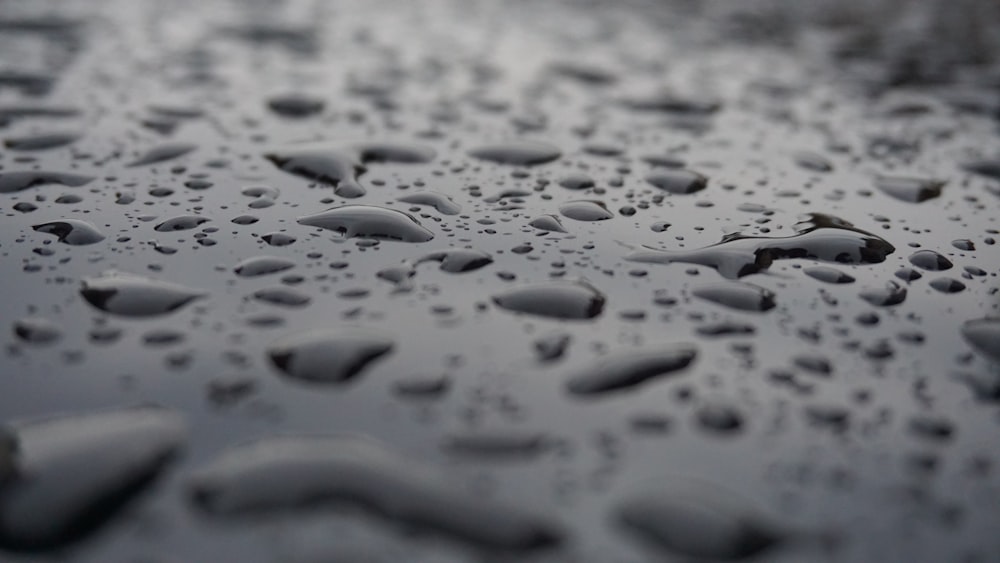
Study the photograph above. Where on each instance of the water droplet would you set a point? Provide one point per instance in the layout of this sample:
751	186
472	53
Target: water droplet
552	347
493	446
36	330
519	153
890	294
930	260
341	167
282	296
737	295
828	275
263	265
984	336
548	223
369	222
277	474
163	153
71	231
913	190
17	181
585	210
295	105
40	142
624	370
821	237
442	203
457	260
325	356
696	521
73	473
576	181
135	296
678	181
947	285
813	161
181	223
556	299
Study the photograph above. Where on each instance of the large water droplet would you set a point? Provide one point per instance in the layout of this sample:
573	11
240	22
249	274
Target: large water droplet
274	475
326	356
442	203
370	222
135	296
585	210
821	237
263	265
163	153
520	153
737	295
71	231
697	521
629	369
16	181
678	181
913	190
73	473
984	336
556	299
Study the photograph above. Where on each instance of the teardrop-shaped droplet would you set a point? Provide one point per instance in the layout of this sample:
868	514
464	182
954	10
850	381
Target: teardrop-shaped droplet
585	210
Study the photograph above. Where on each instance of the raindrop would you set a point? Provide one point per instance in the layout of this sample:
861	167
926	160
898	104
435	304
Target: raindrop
71	231
135	296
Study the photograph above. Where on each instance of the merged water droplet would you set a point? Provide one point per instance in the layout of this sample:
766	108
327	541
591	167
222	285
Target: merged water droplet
821	237
555	299
341	167
326	356
548	223
136	296
370	222
624	370
274	475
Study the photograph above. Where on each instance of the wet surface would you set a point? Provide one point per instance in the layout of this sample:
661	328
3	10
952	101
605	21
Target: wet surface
475	281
